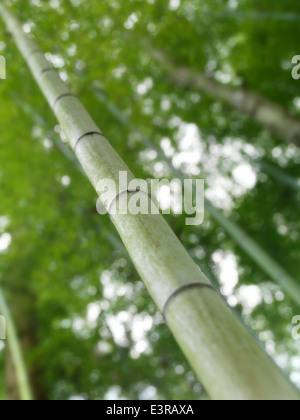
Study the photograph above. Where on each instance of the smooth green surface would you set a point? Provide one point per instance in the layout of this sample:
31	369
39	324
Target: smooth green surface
253	376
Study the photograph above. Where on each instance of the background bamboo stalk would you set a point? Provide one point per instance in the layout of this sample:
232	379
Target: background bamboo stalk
227	359
266	167
279	175
16	352
263	111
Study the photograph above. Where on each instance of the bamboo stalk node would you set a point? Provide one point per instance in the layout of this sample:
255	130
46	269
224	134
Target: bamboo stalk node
64	95
184	289
34	52
137	190
45	71
89	133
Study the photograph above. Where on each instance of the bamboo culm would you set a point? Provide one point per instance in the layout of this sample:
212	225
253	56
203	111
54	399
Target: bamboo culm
270	267
227	359
21	373
243	240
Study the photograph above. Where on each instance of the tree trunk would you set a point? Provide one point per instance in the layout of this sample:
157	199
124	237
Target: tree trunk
227	359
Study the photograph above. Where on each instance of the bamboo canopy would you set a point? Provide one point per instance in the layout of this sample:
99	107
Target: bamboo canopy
227	359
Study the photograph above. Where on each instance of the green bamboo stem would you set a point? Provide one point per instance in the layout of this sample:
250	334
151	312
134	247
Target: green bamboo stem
258	254
229	362
244	241
279	175
252	249
65	150
241	15
16	353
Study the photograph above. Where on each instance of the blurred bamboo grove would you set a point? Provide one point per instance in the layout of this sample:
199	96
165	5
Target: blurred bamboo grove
204	91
